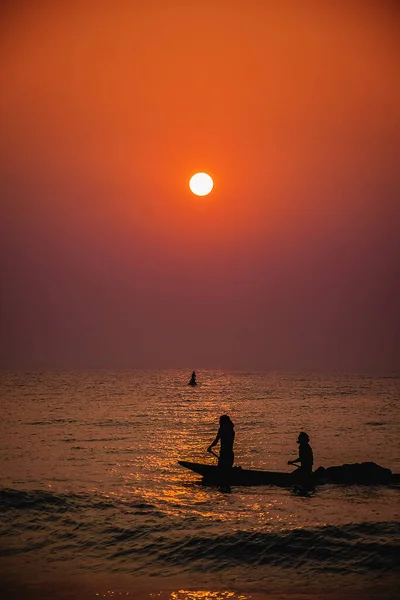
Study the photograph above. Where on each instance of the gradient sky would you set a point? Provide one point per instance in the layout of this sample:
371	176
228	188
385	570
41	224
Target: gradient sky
108	260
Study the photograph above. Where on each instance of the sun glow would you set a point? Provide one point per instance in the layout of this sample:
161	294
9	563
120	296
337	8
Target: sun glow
201	184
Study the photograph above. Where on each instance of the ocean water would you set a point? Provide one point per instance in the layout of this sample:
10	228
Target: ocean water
94	504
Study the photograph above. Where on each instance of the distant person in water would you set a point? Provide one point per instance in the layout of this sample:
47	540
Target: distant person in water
305	458
226	435
193	379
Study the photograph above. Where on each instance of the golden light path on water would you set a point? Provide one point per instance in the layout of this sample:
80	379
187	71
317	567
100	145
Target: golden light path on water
205	595
178	492
183	595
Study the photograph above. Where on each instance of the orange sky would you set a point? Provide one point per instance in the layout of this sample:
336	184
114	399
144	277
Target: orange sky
106	111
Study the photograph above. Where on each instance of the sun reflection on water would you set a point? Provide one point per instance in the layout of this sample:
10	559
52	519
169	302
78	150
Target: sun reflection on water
182	595
147	480
205	595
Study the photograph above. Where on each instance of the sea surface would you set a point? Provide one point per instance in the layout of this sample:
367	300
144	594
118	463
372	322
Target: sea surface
94	504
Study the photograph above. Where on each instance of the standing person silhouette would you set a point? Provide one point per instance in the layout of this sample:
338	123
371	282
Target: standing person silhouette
226	436
193	379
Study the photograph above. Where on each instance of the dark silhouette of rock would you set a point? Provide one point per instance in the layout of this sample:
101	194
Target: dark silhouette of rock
366	472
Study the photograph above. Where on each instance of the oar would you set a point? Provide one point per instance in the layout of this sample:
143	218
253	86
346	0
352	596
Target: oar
214	453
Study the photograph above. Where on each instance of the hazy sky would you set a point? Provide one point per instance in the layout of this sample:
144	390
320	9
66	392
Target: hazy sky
108	259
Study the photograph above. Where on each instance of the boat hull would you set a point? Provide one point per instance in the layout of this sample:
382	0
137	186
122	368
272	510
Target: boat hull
237	476
252	477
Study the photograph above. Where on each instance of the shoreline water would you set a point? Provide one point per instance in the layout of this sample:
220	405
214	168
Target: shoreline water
92	587
13	590
35	582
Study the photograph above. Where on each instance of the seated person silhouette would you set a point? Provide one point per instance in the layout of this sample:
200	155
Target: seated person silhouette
303	472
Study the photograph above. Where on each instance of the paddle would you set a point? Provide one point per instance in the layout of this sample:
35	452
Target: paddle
214	453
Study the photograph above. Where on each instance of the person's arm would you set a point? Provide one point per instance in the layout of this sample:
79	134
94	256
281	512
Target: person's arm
215	442
293	462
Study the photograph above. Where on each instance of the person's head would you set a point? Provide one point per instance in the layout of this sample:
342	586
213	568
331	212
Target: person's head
303	438
225	421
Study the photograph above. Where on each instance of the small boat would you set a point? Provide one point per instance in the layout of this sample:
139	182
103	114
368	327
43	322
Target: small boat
354	474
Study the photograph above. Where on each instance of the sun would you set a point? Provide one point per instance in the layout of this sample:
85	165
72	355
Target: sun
201	184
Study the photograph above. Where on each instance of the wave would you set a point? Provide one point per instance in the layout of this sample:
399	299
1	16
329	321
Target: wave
40	500
362	548
136	535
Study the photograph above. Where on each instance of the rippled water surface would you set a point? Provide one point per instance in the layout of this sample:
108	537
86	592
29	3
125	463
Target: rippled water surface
93	501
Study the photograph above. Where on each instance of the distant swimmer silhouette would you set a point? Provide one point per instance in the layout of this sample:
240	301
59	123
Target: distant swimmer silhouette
226	436
305	458
193	379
